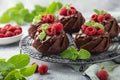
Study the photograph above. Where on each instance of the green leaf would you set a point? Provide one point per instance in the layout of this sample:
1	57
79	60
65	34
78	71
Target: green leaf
42	35
88	24
98	25
103	12
37	19
44	27
66	54
20	60
97	11
29	70
2	60
84	54
4	66
11	75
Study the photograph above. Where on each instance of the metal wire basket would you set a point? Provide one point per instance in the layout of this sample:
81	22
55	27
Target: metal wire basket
112	53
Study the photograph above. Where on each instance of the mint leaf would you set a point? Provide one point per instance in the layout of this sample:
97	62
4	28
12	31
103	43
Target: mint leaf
29	70
42	35
20	60
97	11
84	54
11	75
66	54
37	19
88	24
103	12
2	60
98	25
44	27
4	66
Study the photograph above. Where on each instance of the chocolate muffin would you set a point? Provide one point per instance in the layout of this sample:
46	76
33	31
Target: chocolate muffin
93	38
54	42
71	19
110	23
38	21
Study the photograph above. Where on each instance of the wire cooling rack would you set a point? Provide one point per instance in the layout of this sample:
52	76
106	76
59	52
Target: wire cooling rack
112	53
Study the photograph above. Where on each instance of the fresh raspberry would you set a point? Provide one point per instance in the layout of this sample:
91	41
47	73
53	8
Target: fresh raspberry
71	11
1	35
17	32
94	17
36	67
44	19
58	27
83	27
3	30
107	16
43	69
100	18
9	34
7	26
0	30
12	29
100	31
63	11
39	29
90	31
18	27
51	31
50	18
102	75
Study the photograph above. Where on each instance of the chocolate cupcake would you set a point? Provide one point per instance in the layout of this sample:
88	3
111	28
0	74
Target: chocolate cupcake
110	23
93	38
38	21
51	40
71	19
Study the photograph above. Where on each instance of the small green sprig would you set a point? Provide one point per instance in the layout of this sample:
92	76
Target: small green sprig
98	12
15	68
94	24
72	53
42	35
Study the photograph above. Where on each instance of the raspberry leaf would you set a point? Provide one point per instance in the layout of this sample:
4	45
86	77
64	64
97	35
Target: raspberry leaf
84	54
20	60
42	35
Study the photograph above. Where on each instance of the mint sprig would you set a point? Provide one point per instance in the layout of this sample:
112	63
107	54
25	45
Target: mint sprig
94	24
72	53
98	12
15	68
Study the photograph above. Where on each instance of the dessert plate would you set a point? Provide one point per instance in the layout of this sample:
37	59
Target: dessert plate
112	53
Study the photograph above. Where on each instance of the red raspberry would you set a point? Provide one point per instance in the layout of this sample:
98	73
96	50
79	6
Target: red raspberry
107	16
58	27
39	29
71	11
9	34
50	18
7	26
18	27
83	27
3	30
63	11
100	31
94	17
100	18
102	75
43	69
44	19
51	31
12	29
17	32
90	31
36	67
1	35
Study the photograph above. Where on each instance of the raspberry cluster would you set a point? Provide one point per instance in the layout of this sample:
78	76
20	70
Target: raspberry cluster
100	16
49	18
91	30
52	29
67	10
8	31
